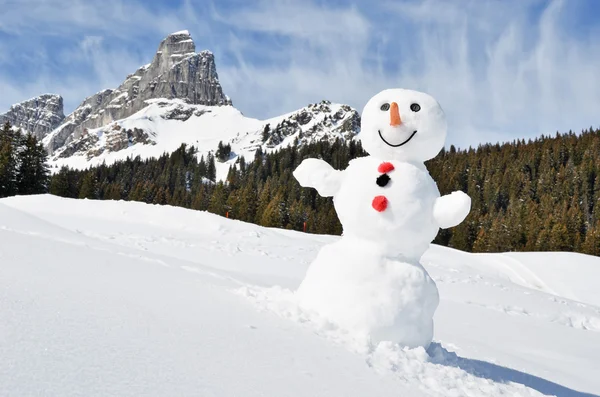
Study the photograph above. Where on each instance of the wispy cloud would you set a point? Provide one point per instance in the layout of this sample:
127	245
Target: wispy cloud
297	54
78	48
75	72
116	18
500	69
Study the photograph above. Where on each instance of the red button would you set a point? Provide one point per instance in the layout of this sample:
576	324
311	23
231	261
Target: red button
385	167
380	203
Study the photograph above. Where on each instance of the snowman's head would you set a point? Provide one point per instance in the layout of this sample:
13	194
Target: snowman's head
404	125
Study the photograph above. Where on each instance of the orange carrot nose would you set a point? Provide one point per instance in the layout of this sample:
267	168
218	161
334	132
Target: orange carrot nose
394	115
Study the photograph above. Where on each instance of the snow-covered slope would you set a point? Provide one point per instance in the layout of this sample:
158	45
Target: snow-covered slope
123	298
165	124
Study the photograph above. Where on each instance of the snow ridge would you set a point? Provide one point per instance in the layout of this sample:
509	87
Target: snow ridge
164	124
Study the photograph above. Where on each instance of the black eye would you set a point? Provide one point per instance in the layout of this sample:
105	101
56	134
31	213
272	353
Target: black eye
385	107
415	107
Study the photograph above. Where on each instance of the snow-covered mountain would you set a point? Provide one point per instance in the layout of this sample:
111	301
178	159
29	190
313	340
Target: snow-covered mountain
165	124
39	115
129	299
176	98
176	71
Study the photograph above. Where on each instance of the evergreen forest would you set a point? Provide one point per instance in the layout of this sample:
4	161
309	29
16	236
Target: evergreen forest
23	163
535	195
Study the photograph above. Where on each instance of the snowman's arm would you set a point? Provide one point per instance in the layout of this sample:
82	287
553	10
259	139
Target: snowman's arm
451	209
319	175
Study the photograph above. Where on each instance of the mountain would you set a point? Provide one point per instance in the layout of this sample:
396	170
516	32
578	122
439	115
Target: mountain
176	71
176	98
164	124
129	299
39	115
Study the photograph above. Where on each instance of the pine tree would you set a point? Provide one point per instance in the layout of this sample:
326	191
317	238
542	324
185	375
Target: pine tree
591	245
223	151
59	185
266	133
137	193
179	197
89	187
559	238
211	168
113	192
246	204
33	173
161	196
273	216
218	200
8	162
202	168
297	216
219	153
264	199
200	200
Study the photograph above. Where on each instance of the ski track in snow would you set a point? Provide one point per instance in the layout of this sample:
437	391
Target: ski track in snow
279	259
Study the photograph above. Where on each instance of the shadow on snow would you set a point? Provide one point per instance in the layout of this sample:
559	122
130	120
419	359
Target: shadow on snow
497	373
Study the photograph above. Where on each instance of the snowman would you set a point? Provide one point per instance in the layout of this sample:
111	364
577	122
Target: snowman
370	281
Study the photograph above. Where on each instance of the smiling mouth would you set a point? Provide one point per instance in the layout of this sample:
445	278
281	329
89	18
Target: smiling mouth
398	145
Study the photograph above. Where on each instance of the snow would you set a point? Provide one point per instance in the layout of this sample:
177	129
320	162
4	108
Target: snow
452	209
203	132
125	298
204	129
121	96
35	98
320	175
181	32
354	284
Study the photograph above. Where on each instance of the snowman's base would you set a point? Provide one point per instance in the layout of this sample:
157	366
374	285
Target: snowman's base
352	283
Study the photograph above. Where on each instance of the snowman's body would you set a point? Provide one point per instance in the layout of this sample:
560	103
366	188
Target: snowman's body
384	298
371	281
407	226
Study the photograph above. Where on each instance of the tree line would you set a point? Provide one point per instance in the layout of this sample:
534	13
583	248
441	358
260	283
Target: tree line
23	163
535	195
539	195
261	191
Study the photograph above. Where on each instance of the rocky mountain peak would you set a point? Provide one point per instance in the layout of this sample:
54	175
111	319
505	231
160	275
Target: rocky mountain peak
39	115
173	49
148	133
313	123
177	71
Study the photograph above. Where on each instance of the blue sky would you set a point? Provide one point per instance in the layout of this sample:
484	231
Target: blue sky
501	69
